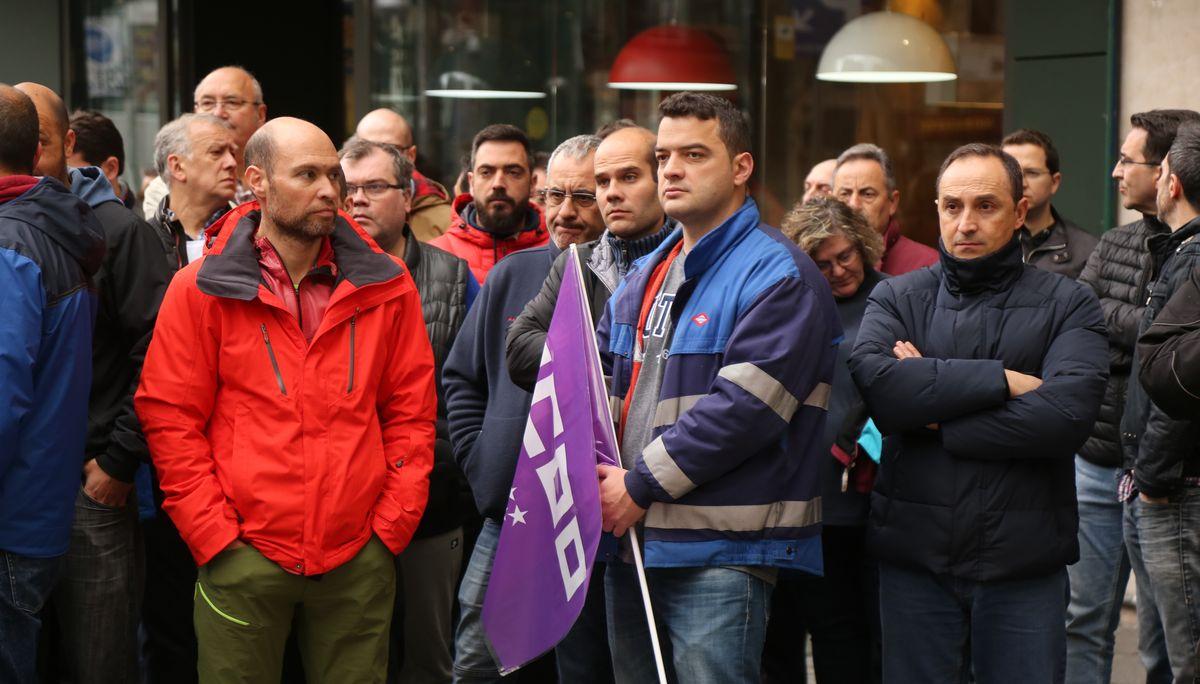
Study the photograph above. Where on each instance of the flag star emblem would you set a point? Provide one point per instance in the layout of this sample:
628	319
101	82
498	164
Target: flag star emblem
700	319
517	515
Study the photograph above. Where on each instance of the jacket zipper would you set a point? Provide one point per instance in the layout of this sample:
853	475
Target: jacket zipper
274	362
353	322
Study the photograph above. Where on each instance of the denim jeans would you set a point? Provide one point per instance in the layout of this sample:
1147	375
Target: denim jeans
1098	579
1170	537
25	584
1152	644
711	621
98	599
473	660
938	628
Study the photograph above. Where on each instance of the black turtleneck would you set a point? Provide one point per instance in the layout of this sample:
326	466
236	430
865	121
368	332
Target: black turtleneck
996	271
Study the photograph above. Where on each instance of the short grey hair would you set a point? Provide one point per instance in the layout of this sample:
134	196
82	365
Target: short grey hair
175	139
357	148
870	152
578	147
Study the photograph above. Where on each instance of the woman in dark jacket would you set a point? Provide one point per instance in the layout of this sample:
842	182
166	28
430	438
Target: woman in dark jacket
838	609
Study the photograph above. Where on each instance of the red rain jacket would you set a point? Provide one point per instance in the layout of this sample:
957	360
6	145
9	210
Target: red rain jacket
301	449
480	249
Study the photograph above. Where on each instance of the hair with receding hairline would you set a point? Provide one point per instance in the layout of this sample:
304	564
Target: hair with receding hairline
1012	169
1161	125
870	152
255	86
175	138
577	148
260	151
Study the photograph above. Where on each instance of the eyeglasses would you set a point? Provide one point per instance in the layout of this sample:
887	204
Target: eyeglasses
583	200
229	104
1126	161
372	190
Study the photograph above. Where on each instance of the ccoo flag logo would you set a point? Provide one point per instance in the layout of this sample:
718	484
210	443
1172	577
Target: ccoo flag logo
552	526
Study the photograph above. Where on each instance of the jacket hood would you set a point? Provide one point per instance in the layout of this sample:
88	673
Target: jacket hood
51	208
995	271
463	224
230	267
89	184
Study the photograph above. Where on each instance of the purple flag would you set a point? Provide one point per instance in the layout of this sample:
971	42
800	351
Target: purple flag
552	527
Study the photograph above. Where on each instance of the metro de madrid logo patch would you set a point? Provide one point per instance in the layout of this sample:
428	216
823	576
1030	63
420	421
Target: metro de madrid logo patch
700	319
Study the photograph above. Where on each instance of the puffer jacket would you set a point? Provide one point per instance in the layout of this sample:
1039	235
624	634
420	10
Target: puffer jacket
447	289
51	245
481	249
732	474
302	449
1161	450
1119	271
990	493
1170	353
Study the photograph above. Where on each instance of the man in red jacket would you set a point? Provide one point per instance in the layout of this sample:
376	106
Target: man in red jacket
497	218
288	401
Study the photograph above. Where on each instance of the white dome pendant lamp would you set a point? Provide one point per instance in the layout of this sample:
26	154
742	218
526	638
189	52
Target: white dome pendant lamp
886	47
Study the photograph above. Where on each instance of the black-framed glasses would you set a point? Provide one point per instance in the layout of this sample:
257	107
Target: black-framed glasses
372	190
1124	161
580	198
229	104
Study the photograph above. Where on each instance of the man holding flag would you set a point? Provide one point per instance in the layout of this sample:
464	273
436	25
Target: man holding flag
722	344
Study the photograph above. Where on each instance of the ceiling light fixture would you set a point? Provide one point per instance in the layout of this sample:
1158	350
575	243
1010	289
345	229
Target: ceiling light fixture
886	47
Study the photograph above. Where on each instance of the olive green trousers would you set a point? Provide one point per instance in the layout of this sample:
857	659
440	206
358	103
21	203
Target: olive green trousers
246	605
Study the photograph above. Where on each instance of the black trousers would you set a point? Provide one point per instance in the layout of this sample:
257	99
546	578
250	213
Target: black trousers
170	647
839	610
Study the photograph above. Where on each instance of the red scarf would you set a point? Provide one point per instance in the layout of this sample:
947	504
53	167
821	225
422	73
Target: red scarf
12	187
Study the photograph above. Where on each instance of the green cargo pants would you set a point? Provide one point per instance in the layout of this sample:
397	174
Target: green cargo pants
245	606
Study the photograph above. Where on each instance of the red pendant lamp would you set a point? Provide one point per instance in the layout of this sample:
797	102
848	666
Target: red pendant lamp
672	57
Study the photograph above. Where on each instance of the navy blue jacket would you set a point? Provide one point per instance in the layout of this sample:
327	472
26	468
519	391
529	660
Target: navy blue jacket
732	476
486	411
990	494
50	246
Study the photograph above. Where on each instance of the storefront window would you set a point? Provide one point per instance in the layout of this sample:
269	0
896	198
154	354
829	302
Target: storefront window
119	73
551	63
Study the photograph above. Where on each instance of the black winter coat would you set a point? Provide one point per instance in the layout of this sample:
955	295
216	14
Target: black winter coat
441	280
1161	450
1170	353
1119	272
990	493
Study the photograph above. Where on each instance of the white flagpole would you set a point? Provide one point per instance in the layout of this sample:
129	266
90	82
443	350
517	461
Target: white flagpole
633	536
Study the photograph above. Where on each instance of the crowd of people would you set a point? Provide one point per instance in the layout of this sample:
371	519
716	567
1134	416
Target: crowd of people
263	425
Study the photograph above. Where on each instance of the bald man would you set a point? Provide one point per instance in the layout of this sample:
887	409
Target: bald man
98	599
430	214
288	400
819	181
235	95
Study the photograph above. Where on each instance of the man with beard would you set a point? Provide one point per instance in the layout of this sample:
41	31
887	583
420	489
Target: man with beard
488	412
288	400
496	218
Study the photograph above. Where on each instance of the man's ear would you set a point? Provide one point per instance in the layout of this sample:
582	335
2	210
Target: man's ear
411	153
69	142
37	155
743	167
111	168
256	180
175	168
1021	211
